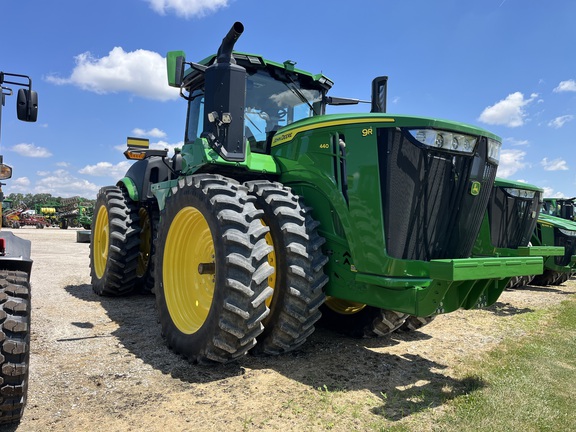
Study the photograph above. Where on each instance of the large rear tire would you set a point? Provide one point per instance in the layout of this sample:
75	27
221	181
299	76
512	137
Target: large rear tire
359	320
114	245
298	261
211	269
15	349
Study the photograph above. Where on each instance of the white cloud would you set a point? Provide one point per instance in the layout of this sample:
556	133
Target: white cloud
187	8
57	183
566	86
549	193
161	145
30	150
63	164
154	133
516	142
106	169
508	112
511	161
558	122
62	183
21	181
554	165
140	72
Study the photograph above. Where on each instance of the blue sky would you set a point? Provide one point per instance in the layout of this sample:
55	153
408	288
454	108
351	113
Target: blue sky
508	66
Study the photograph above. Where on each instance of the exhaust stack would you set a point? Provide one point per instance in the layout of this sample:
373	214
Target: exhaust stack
225	99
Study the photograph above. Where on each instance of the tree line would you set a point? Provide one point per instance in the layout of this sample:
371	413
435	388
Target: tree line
31	200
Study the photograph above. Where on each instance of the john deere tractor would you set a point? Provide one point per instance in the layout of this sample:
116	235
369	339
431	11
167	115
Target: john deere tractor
274	210
510	222
560	207
552	230
15	269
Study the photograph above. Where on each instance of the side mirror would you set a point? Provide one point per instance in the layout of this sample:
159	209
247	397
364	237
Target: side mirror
379	94
175	67
27	105
5	172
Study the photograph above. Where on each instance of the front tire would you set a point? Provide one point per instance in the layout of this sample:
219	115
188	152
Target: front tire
114	245
211	270
298	261
15	348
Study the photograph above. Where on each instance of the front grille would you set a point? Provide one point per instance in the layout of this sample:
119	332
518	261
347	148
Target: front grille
569	243
429	212
512	219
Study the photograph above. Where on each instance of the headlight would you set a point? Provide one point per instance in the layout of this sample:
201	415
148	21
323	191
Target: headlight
494	150
568	233
520	193
445	140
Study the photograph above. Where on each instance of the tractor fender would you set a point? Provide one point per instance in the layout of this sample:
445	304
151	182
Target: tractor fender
142	175
17	253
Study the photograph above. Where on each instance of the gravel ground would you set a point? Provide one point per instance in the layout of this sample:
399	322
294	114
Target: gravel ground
99	363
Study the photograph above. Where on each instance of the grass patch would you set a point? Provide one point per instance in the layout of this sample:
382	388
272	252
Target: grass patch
529	382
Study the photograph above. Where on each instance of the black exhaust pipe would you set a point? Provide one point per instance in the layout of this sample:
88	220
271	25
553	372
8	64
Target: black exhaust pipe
225	51
225	98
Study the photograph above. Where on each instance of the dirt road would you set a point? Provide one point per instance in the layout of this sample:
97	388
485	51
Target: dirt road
99	364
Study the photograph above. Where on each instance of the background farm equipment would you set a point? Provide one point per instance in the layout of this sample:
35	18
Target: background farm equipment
15	269
23	217
560	207
74	213
274	213
552	230
509	224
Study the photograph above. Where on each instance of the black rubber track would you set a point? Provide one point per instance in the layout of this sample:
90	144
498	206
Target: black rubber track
519	282
413	323
370	322
241	273
562	277
119	277
299	261
546	278
15	312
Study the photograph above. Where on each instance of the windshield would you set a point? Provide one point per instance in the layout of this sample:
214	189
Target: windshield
270	104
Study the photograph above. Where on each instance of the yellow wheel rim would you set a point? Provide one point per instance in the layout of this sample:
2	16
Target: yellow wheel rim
189	246
344	307
145	242
272	262
101	242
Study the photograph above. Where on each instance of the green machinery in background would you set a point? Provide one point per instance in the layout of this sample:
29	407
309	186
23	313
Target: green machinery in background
560	207
274	212
512	219
552	230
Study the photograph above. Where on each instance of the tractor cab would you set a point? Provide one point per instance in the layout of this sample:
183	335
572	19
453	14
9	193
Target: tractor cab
560	207
276	95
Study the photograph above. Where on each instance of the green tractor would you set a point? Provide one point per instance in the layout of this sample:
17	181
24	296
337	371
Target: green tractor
274	213
509	224
552	230
15	269
560	207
